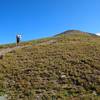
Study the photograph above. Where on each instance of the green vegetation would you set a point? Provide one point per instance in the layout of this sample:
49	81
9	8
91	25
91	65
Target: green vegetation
68	68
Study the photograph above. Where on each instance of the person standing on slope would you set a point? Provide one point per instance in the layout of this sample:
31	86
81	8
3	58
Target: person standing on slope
18	38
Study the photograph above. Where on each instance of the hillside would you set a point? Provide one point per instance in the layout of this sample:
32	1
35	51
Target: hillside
63	67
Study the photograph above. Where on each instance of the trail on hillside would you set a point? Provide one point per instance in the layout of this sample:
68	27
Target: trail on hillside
4	51
3	98
7	50
46	43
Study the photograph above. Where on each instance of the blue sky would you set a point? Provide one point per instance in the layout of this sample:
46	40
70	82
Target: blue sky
43	18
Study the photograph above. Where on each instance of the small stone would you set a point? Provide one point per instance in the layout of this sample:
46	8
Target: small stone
94	93
63	76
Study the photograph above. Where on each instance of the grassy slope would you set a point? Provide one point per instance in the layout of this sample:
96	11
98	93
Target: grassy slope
31	42
69	68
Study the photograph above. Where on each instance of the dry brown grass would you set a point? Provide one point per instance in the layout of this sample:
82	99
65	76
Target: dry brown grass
66	69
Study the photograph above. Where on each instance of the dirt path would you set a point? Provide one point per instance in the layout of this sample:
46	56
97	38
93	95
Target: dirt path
7	50
46	43
3	98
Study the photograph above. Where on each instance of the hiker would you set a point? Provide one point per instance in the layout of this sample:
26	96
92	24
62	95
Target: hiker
18	39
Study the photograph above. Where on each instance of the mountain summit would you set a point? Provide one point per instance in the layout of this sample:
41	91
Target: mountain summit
74	32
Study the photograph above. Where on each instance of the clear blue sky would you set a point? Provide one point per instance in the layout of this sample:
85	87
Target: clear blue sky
43	18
